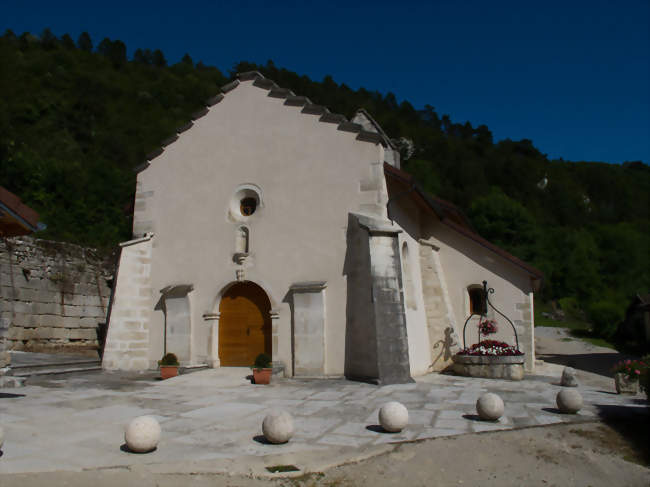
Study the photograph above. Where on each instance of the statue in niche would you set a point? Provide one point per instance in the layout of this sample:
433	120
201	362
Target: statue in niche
241	245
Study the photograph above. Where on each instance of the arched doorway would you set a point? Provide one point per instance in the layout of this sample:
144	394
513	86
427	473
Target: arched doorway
244	324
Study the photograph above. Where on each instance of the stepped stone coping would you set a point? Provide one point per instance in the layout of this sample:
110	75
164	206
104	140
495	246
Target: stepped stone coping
350	127
332	118
169	140
154	153
185	127
200	113
297	101
248	75
313	109
291	99
265	83
278	92
214	100
370	137
230	86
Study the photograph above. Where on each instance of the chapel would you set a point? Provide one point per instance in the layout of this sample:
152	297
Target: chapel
268	224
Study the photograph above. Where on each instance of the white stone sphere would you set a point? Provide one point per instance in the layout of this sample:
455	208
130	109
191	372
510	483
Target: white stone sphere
393	416
142	434
277	427
489	407
2	437
569	378
569	401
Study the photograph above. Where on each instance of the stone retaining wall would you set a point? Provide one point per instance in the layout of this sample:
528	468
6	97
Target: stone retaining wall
53	296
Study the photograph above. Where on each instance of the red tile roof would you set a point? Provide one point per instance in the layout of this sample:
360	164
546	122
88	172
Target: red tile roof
16	218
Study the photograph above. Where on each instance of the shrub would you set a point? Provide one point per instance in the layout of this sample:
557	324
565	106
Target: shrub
570	307
169	359
605	317
263	361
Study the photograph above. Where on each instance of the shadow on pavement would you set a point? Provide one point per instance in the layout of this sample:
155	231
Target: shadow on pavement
8	395
632	423
597	363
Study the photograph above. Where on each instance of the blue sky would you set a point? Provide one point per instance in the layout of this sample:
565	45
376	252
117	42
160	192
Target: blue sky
574	77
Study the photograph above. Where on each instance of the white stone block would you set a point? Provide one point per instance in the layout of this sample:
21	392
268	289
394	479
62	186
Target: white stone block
393	416
569	378
489	407
277	427
569	401
142	434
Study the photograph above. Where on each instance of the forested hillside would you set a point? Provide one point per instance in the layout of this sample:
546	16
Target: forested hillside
76	119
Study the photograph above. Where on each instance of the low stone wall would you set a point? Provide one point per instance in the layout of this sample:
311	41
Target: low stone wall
489	366
53	296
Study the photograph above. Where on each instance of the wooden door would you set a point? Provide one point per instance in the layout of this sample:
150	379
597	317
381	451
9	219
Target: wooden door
244	325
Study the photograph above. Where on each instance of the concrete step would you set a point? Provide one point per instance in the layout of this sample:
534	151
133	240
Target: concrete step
47	368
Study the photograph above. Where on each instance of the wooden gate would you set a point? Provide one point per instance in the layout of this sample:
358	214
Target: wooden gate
244	324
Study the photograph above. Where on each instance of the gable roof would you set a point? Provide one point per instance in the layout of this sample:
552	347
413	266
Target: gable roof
290	99
16	218
451	216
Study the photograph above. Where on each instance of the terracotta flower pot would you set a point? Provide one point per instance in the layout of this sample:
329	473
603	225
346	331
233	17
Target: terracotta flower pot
262	376
625	384
168	371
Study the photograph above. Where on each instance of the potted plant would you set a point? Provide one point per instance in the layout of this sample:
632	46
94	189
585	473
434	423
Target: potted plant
644	380
626	376
262	369
168	366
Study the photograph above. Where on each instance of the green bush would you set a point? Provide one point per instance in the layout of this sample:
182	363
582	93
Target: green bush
571	307
605	317
263	361
169	359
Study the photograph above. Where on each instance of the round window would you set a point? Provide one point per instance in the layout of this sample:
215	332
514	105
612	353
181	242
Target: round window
247	206
245	202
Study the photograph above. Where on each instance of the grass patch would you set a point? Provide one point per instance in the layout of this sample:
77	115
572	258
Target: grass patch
577	328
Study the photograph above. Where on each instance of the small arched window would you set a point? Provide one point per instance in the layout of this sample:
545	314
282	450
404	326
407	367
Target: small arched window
477	301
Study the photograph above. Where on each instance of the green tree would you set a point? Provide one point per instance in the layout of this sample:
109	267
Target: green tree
158	59
505	222
84	42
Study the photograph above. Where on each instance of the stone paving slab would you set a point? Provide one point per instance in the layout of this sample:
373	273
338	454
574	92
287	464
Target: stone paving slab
215	416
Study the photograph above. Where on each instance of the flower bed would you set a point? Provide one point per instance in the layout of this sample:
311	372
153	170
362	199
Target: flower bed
490	359
491	347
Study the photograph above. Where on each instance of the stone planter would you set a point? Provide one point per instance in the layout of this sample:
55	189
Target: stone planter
509	367
626	385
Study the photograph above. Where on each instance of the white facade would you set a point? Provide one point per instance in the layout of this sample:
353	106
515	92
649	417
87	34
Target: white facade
305	174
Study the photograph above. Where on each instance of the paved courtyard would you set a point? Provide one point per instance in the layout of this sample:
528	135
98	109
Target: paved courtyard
211	419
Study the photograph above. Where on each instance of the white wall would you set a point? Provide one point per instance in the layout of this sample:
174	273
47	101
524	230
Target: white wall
465	263
310	175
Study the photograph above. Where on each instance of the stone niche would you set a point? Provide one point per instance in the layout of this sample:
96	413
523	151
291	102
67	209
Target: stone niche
177	320
308	310
489	366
